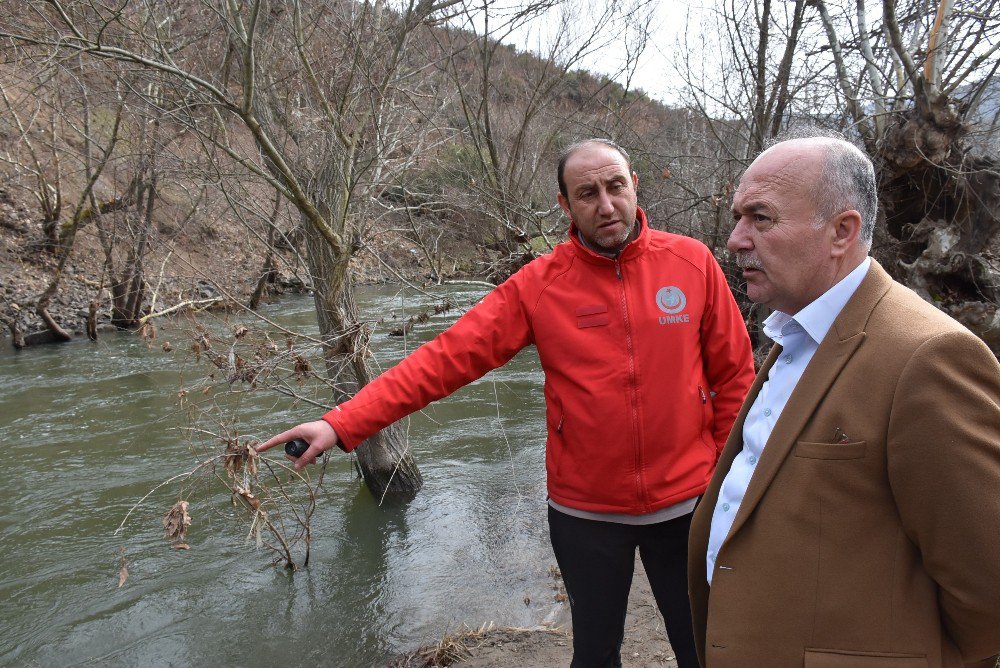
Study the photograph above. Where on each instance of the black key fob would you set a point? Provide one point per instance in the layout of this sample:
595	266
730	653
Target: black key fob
296	448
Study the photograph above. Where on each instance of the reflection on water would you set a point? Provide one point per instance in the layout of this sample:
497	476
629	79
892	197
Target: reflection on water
88	428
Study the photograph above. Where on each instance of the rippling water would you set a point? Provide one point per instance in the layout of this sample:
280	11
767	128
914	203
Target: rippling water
88	428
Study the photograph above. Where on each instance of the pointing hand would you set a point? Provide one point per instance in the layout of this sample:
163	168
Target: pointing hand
319	435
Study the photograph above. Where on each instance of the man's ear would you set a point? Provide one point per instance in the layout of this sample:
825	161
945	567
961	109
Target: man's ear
846	230
635	181
564	203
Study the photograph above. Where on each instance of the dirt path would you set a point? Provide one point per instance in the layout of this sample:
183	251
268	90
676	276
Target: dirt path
645	641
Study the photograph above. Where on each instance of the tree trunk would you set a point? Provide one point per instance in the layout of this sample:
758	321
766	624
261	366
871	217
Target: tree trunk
267	274
128	293
269	271
92	320
16	333
943	206
384	459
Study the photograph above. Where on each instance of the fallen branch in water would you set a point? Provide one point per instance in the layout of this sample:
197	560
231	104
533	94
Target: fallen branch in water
479	284
177	307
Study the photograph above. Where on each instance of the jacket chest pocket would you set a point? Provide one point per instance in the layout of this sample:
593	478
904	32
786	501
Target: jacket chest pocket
595	315
853	450
818	658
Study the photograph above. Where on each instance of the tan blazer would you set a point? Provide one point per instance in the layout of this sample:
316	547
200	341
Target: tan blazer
882	551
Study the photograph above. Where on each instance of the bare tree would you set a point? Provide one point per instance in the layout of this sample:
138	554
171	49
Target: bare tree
60	100
305	98
743	78
906	81
45	170
916	79
513	112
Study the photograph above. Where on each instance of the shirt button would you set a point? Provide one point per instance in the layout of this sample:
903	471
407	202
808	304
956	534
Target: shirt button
725	507
767	412
788	359
752	460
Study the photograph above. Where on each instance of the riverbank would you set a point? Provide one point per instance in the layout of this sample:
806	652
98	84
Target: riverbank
645	644
207	266
197	266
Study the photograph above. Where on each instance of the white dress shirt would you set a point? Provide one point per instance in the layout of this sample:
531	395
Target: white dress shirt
799	336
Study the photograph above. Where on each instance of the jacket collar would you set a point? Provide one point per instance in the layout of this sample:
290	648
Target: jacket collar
635	247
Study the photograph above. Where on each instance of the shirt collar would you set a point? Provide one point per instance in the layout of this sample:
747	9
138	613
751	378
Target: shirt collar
818	316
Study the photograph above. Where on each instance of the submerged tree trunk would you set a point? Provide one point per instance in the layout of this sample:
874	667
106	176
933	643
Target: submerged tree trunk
269	270
16	333
384	458
128	286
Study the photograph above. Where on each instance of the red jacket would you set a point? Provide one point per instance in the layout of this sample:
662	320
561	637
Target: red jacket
646	361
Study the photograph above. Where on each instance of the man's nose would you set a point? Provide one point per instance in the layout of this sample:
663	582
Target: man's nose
738	238
604	204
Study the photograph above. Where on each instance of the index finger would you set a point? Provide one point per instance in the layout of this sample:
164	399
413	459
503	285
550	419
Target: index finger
283	437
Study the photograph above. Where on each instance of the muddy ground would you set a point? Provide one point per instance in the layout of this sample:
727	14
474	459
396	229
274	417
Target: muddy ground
645	645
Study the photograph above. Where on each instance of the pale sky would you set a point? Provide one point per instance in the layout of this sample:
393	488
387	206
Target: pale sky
654	70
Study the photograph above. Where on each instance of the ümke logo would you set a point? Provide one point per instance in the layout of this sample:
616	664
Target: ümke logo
672	301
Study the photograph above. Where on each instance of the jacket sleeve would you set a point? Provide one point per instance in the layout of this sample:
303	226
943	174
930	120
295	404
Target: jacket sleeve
486	337
943	453
726	352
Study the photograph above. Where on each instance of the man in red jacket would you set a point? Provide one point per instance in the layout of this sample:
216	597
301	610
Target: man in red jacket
646	360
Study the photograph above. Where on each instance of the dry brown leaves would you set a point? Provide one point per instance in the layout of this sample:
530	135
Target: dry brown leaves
449	650
147	331
122	571
238	369
302	367
247	496
175	525
201	344
240	458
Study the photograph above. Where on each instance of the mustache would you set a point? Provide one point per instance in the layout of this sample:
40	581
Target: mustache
747	260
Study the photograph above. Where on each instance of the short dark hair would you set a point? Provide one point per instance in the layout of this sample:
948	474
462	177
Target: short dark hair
576	146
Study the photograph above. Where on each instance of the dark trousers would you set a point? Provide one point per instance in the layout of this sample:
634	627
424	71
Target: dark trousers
597	560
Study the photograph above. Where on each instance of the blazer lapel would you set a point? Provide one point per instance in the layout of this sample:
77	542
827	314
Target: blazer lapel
734	444
843	339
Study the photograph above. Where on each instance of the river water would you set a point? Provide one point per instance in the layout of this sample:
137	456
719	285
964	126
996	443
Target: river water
87	429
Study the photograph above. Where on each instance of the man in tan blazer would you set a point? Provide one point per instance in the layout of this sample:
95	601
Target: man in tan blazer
854	517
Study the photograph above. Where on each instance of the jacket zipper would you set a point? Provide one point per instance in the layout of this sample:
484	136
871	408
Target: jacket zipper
633	399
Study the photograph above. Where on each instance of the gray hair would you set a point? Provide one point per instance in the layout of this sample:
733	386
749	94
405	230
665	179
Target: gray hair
847	180
576	146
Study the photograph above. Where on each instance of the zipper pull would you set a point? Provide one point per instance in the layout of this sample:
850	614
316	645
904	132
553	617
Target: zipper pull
618	269
704	399
559	426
